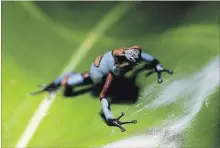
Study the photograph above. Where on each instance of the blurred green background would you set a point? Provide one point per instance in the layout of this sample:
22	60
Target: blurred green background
40	38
